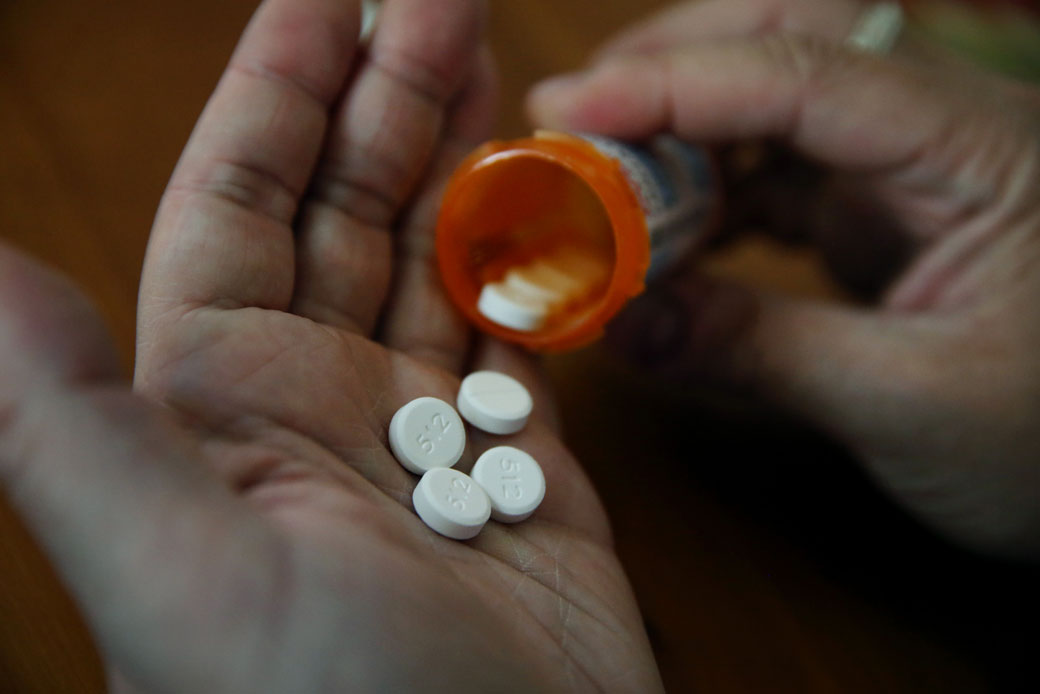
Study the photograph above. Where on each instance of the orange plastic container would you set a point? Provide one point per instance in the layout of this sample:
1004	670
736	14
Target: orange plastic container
601	212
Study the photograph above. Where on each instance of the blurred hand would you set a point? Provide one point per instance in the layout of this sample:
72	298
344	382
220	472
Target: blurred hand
239	524
927	187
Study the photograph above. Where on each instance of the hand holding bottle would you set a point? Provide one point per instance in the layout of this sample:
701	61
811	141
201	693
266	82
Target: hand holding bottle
936	385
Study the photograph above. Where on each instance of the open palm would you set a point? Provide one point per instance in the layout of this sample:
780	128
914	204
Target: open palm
245	528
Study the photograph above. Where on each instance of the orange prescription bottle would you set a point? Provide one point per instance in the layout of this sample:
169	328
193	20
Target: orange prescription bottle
540	241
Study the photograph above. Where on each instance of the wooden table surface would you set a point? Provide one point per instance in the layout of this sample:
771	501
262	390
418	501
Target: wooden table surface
755	573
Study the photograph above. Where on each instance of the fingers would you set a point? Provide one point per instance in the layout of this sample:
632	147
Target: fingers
110	488
842	368
936	405
699	20
856	113
798	90
794	201
382	141
222	235
689	22
420	320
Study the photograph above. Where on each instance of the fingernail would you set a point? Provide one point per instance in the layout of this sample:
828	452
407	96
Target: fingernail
556	86
548	99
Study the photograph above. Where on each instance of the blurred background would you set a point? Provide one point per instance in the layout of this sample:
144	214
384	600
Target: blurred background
762	558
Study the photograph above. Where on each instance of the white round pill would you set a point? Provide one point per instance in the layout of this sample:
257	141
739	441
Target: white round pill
520	280
512	309
513	481
552	274
427	433
494	402
451	503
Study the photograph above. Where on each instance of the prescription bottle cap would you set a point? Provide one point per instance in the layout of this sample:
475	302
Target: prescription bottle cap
546	214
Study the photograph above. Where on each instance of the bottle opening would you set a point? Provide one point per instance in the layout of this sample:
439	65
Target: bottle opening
526	244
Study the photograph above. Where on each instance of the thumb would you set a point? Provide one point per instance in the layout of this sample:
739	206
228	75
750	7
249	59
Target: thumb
941	408
846	370
112	489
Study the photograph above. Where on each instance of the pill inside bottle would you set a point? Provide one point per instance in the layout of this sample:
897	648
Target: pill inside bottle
541	240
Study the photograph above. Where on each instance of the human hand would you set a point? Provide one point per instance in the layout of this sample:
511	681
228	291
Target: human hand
926	188
239	524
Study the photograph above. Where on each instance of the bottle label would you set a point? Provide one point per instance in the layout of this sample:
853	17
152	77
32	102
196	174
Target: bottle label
675	187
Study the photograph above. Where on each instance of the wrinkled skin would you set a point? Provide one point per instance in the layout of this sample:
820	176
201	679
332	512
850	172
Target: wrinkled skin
924	189
239	524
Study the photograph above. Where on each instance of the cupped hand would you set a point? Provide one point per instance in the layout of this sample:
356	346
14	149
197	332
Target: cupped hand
239	523
926	186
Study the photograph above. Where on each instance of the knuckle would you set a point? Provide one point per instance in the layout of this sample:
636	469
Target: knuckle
809	59
243	185
363	192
